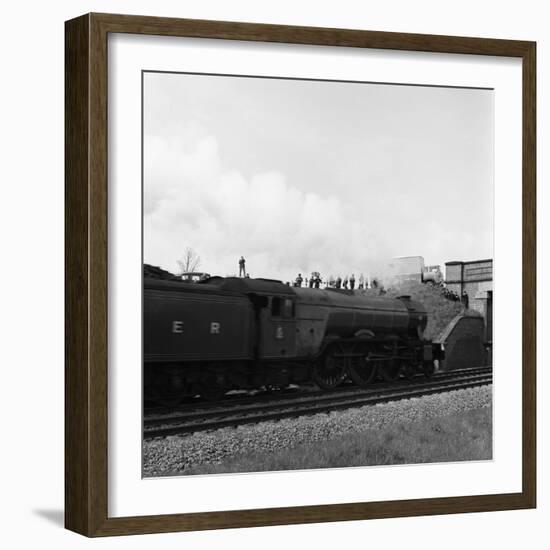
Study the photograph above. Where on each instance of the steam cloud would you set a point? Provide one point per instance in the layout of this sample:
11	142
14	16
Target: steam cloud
191	200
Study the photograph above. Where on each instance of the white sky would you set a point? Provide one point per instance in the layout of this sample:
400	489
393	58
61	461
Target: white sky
302	176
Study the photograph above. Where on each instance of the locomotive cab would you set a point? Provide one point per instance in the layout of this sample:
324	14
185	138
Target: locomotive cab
278	328
274	306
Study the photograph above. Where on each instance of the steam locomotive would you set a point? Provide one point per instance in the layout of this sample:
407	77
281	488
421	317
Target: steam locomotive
239	333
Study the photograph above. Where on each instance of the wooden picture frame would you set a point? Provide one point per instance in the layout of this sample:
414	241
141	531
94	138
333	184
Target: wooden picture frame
86	230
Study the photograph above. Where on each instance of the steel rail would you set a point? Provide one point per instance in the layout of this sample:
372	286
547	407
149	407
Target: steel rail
305	398
278	411
151	414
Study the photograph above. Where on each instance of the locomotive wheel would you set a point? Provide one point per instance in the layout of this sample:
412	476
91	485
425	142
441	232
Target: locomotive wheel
330	371
211	387
409	371
390	370
362	370
169	401
428	368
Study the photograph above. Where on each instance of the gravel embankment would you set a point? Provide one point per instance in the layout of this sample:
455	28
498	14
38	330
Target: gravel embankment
173	454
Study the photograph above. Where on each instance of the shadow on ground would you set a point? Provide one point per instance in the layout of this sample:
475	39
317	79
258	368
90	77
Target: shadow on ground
57	517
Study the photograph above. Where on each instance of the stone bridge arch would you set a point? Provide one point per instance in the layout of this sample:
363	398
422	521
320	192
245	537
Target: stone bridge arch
464	343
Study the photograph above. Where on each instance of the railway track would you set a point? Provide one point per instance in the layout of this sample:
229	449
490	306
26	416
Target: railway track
249	410
233	400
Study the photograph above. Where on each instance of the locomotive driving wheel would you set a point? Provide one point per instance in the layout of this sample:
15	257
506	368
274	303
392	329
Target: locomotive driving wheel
391	369
362	370
330	370
409	370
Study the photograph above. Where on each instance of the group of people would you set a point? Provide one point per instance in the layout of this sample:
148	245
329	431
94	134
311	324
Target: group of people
455	297
315	280
346	283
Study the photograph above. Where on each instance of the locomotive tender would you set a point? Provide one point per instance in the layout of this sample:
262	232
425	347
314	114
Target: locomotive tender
238	333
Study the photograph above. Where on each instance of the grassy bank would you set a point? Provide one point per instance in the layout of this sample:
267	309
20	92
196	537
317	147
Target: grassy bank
458	437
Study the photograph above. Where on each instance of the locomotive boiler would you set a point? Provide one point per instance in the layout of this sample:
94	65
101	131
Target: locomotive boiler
240	333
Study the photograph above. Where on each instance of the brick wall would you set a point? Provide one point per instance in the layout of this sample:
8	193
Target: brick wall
453	272
474	279
464	343
481	270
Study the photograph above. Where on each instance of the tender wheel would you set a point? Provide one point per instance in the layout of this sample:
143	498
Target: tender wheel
211	386
169	401
330	371
390	370
362	370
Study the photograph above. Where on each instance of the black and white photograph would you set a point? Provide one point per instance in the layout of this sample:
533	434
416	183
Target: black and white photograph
317	274
275	275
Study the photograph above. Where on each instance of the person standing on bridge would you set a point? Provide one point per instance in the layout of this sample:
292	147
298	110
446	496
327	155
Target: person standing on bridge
242	269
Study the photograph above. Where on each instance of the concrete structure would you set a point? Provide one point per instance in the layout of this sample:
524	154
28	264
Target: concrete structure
464	343
473	281
407	268
413	268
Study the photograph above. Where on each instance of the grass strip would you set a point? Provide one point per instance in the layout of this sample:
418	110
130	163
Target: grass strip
453	438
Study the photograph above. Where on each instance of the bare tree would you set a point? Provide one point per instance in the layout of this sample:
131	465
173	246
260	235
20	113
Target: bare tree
189	262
